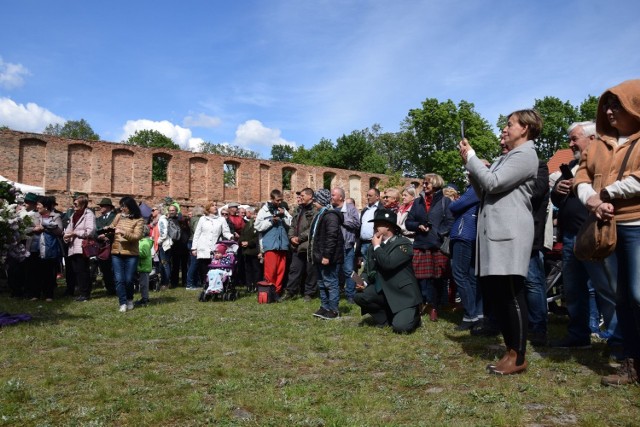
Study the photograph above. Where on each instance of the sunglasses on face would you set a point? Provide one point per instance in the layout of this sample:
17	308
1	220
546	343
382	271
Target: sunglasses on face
612	104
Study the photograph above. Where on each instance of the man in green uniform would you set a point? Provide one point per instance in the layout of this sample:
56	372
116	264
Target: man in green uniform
392	295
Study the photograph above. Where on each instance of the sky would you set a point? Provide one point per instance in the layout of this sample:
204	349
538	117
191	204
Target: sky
254	73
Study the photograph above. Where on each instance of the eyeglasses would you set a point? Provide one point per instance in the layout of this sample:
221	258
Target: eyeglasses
386	197
225	214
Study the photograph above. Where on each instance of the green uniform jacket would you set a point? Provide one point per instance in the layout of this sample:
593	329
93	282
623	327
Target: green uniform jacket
102	222
389	269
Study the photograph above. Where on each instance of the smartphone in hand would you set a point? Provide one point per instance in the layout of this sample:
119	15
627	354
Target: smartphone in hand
566	171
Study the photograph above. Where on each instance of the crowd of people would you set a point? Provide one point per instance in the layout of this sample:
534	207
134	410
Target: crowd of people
407	253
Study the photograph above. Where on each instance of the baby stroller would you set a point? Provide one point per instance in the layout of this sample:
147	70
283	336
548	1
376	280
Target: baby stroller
219	283
553	269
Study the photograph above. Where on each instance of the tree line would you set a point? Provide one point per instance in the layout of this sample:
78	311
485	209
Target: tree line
426	142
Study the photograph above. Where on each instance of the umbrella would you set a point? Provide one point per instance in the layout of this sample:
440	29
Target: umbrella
145	210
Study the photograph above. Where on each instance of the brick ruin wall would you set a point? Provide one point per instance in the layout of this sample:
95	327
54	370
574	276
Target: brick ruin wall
105	169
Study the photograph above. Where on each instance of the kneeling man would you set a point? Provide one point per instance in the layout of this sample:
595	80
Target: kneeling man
392	296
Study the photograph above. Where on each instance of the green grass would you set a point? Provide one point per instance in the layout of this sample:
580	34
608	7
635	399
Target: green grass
181	362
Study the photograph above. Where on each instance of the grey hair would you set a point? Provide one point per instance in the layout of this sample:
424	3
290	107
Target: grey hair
588	128
341	191
411	190
250	209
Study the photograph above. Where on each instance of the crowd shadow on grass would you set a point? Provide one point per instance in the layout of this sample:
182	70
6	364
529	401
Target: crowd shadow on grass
490	348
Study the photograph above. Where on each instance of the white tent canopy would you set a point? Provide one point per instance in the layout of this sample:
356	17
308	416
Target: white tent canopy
24	187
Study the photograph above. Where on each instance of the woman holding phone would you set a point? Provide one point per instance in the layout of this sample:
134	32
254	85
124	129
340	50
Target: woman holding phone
505	231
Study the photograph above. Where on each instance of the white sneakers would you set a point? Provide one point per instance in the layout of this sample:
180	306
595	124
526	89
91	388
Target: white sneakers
126	307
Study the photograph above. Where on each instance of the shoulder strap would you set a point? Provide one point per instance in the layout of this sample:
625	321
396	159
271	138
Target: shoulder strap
626	159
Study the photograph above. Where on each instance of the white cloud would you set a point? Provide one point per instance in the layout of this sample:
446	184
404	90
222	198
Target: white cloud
178	134
11	75
202	121
253	135
29	118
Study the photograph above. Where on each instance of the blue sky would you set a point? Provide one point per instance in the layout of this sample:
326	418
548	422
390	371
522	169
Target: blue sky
255	73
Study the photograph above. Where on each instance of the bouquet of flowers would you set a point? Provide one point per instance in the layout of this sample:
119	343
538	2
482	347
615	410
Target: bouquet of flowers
12	226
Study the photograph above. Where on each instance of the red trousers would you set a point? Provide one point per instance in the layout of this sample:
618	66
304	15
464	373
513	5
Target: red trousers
275	264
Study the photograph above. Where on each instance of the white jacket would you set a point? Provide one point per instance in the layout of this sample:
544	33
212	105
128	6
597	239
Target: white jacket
163	239
208	233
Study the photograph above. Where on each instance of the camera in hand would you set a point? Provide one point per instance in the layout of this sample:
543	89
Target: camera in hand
275	211
109	232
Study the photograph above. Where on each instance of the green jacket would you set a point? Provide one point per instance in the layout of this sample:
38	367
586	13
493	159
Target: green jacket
104	221
389	269
144	255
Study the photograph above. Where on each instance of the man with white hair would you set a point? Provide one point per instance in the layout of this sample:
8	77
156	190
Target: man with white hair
576	273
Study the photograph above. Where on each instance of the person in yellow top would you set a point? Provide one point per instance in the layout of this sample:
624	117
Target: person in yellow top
127	229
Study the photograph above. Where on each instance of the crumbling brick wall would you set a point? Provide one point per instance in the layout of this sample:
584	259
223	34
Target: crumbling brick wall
105	169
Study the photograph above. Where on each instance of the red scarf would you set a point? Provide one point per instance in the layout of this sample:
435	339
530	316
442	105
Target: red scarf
406	207
76	217
427	202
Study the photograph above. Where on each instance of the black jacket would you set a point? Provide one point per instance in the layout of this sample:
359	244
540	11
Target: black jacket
540	203
326	237
439	217
571	211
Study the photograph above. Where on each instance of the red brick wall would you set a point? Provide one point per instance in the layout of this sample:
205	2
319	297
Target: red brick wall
105	169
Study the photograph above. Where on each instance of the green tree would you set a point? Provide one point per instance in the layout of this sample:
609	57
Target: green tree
74	129
282	153
589	108
228	150
356	151
321	154
557	116
433	133
149	138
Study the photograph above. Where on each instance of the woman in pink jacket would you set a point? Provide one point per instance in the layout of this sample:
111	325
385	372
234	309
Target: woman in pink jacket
81	226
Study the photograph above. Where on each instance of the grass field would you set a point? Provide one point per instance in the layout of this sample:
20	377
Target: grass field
179	362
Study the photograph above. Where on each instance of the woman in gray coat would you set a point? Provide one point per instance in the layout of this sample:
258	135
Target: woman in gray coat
505	230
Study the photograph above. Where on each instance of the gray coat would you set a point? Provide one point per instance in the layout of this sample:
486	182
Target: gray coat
505	222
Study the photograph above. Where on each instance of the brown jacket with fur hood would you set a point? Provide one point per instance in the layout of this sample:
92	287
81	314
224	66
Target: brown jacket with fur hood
601	162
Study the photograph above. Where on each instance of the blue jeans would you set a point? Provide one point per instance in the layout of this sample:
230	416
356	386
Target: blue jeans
329	286
576	274
364	248
627	283
192	273
124	274
464	275
165	265
347	269
536	288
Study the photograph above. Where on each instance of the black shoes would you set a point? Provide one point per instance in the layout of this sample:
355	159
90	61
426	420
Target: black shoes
484	329
326	314
142	302
466	325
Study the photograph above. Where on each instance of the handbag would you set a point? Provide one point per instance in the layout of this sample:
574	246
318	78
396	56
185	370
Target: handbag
445	248
596	238
105	251
90	248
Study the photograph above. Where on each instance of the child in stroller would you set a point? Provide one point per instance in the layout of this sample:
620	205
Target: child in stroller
218	280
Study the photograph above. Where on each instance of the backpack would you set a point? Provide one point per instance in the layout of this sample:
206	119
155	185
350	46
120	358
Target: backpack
266	292
173	230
